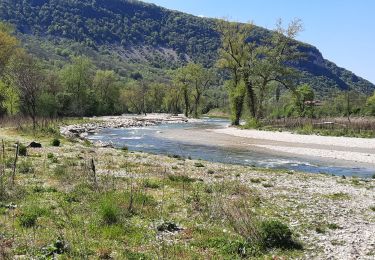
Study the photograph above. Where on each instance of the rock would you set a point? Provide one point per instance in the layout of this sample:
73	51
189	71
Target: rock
35	145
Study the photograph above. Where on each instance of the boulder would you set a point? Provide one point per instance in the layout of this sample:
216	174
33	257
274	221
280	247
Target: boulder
35	145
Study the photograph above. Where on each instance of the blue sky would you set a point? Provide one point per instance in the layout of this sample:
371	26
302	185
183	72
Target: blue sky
343	30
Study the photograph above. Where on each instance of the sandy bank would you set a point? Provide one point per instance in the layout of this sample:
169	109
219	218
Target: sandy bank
341	148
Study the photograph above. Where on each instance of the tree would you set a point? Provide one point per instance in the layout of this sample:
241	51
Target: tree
172	99
106	90
236	56
370	105
77	79
27	77
133	96
181	79
255	64
155	97
10	99
194	80
273	59
302	95
8	45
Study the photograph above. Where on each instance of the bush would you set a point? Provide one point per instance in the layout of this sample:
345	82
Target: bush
252	123
30	215
22	150
25	167
198	165
56	142
276	235
151	184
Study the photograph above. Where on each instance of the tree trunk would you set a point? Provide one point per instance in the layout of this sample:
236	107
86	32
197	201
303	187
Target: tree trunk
250	96
187	103
197	101
237	105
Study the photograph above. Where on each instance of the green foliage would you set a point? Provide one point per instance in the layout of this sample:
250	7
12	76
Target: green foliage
302	95
25	167
180	178
56	142
276	235
22	150
252	123
370	105
109	211
30	215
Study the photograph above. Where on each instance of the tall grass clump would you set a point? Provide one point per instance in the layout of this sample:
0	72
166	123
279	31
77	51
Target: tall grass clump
109	211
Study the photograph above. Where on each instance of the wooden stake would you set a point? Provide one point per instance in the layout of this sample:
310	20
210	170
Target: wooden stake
15	164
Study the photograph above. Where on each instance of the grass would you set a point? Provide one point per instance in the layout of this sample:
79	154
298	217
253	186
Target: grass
138	209
338	196
358	127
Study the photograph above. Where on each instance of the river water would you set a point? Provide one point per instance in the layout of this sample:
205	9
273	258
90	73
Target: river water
154	139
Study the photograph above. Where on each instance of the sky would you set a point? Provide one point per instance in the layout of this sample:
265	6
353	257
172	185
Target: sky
343	30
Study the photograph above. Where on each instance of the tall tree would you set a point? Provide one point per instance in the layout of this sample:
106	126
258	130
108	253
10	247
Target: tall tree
27	77
77	79
8	45
181	79
273	60
107	90
236	56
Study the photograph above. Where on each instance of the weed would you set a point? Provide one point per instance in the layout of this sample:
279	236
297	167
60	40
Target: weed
338	196
333	226
151	184
198	165
256	180
180	178
26	167
30	215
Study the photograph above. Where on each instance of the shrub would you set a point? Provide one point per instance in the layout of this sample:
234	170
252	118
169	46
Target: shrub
198	164
151	184
252	123
276	235
50	156
30	215
22	150
56	142
59	171
25	167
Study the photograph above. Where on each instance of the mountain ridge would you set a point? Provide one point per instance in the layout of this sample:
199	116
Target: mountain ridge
139	32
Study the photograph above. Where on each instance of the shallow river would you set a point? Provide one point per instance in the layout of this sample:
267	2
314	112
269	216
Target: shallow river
188	140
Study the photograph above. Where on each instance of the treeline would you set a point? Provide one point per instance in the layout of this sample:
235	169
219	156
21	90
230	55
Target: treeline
80	89
260	83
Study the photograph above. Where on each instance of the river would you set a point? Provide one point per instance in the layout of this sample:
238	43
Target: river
194	140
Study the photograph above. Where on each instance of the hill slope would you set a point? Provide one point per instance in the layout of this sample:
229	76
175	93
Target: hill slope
121	34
